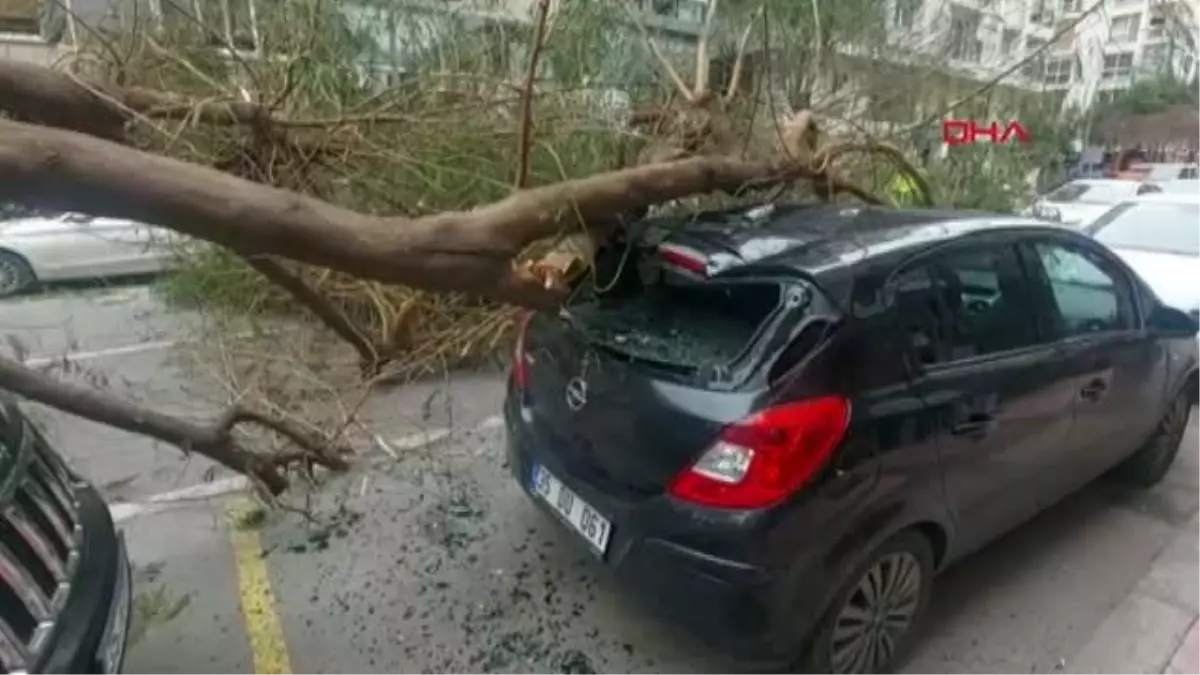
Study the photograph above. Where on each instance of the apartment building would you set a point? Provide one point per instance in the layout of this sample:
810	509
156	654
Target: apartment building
42	31
1080	50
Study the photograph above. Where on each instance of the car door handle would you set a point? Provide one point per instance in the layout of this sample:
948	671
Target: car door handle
1094	390
978	424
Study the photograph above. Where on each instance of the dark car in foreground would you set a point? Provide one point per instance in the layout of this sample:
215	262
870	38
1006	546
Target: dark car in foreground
64	574
779	424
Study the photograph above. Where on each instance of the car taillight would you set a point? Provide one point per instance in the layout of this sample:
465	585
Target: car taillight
767	457
684	258
520	368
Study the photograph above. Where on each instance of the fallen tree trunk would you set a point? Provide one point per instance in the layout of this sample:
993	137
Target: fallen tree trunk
64	151
465	251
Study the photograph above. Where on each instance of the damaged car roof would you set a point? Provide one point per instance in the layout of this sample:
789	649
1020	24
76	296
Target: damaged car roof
813	238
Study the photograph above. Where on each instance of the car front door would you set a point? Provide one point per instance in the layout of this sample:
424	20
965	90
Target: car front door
995	393
1118	367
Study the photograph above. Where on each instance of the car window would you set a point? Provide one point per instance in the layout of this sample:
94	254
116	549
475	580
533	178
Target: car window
1067	193
963	304
1089	295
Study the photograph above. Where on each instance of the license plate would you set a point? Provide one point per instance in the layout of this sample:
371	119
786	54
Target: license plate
594	527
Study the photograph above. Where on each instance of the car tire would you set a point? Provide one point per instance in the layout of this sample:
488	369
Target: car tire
1147	466
854	635
15	274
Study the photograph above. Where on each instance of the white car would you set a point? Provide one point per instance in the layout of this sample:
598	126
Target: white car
1079	202
73	246
1158	236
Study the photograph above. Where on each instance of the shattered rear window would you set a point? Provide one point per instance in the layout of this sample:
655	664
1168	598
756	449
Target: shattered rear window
688	327
654	315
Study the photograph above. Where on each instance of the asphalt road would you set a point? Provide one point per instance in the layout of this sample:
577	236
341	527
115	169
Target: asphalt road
436	561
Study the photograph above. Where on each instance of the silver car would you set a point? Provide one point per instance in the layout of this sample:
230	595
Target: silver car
1079	202
1159	237
72	246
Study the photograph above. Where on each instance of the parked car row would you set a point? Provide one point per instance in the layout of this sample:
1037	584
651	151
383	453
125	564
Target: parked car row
1078	203
781	424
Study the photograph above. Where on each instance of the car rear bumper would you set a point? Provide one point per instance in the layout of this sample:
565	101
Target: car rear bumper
91	631
731	604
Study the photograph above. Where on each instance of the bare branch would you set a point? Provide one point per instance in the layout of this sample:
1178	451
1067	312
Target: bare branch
682	86
215	440
319	305
701	89
525	135
739	63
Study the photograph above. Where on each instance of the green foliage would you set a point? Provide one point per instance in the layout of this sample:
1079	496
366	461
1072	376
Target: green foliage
1151	96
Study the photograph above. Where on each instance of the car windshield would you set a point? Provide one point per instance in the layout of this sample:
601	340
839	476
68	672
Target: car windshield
1090	193
1148	226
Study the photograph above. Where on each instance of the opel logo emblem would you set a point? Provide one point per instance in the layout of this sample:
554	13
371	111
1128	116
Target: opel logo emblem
576	393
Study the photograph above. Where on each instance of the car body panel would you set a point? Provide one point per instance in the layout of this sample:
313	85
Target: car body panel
71	246
1174	277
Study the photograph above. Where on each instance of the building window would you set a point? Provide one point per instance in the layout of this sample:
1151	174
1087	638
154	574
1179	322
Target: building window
1125	28
964	29
1059	71
905	15
21	17
1035	66
1072	5
1009	42
1117	65
1066	36
1154	57
687	11
229	23
1040	13
1157	26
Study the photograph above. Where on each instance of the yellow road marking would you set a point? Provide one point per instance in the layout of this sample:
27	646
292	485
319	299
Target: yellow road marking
263	627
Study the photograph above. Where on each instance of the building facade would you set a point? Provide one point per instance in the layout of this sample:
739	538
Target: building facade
1082	50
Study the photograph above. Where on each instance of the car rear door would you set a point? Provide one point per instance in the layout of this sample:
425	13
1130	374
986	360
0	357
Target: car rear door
995	394
1117	366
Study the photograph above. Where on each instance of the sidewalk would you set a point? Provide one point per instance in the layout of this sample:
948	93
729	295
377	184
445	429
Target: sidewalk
1154	629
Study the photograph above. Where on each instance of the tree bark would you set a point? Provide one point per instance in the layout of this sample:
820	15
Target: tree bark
465	251
33	93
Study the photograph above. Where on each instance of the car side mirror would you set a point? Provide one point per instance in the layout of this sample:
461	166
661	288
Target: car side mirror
1172	322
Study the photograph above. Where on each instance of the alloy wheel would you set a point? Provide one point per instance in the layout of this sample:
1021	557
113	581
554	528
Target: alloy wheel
10	277
877	615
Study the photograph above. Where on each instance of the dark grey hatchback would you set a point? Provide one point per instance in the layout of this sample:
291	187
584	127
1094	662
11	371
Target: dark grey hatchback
780	423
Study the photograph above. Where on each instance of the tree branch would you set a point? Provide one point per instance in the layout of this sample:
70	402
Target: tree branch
215	440
32	93
463	251
525	135
319	305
